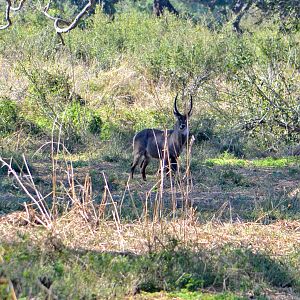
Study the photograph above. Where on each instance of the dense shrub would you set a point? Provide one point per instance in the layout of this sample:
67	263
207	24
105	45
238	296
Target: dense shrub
119	274
8	116
251	88
51	104
130	120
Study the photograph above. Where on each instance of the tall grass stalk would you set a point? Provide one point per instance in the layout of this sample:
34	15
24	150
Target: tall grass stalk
46	218
79	197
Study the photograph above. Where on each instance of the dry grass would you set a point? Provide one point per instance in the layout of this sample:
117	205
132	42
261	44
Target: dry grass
278	239
86	226
99	227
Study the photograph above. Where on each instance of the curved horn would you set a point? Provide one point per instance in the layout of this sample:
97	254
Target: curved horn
191	106
176	112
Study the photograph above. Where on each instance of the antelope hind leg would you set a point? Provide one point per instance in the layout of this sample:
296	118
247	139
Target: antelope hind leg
135	162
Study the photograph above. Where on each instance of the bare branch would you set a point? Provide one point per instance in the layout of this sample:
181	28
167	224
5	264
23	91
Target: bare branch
7	13
71	25
38	200
18	7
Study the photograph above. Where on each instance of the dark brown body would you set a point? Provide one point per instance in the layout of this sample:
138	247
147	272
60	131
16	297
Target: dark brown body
166	145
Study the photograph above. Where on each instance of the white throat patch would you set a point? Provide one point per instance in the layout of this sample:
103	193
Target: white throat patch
186	131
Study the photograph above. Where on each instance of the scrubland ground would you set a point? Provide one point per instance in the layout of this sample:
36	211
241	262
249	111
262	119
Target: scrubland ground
232	233
74	226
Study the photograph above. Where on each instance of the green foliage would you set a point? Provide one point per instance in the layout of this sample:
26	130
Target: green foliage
273	272
118	121
175	268
31	32
204	130
95	123
229	177
8	116
252	80
239	54
50	104
276	209
187	295
227	159
172	269
79	120
47	96
250	96
166	47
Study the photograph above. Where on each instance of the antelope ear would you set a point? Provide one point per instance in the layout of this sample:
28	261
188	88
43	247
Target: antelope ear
175	111
191	106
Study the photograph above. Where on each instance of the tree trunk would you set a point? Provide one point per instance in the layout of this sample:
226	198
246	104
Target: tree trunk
242	9
160	5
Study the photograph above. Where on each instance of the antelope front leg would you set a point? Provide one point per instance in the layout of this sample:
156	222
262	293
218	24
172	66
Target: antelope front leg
143	167
174	164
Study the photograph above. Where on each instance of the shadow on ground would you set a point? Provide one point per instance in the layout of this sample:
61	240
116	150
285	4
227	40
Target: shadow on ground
81	274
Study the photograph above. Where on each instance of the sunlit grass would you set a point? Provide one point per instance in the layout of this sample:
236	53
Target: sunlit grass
187	295
276	162
228	159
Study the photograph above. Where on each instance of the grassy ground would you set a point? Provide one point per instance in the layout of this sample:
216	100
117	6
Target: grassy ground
114	238
72	224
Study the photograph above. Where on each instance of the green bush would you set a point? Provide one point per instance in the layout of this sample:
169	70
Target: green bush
95	123
50	104
8	116
168	47
79	120
172	269
47	96
130	120
251	85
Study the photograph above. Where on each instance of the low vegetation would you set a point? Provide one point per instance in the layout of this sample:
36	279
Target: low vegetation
72	223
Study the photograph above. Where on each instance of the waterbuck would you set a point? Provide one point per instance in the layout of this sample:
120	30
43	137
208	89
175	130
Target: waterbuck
160	144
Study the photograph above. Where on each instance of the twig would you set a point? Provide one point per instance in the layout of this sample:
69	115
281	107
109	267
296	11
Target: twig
39	203
71	25
7	13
